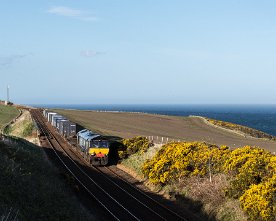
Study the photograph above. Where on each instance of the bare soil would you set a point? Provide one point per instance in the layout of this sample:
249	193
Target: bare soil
127	125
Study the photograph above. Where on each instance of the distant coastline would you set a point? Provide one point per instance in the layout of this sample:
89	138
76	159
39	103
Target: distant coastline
237	129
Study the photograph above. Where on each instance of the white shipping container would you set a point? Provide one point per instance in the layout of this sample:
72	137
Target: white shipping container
50	115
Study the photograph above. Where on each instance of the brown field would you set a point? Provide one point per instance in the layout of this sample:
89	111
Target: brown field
128	125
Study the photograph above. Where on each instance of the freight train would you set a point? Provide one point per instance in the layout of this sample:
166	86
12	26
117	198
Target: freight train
93	147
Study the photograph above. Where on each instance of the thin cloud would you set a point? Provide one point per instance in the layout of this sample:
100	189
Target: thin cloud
71	12
64	11
91	53
9	60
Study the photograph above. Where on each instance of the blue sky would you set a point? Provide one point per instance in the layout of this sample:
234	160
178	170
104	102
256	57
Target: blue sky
146	51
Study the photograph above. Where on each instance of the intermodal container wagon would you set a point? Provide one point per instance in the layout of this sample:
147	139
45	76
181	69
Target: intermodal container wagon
66	128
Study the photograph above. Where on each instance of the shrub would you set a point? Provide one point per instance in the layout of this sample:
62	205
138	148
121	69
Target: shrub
259	200
134	145
177	160
251	171
7	130
248	165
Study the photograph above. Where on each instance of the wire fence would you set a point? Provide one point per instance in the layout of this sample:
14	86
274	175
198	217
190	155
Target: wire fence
163	140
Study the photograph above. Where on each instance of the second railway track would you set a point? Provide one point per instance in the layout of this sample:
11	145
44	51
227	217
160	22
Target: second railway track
119	198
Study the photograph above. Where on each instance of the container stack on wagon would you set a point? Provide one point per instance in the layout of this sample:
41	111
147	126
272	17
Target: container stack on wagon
65	127
55	119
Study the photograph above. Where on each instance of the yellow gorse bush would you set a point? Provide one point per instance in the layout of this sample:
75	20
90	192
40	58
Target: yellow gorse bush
252	170
248	165
259	200
134	145
177	160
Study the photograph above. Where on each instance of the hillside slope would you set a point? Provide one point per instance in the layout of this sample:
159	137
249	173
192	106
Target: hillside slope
7	113
31	187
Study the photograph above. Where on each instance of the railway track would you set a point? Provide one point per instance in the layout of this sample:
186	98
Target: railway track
92	188
120	199
159	209
114	171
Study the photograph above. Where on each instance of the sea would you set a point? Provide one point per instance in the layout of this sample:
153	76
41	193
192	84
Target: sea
260	117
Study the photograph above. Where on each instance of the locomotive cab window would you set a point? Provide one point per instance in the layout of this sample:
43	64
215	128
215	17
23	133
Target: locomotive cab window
104	143
95	143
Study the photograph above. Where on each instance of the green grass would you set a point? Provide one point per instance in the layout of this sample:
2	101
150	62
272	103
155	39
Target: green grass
27	129
136	161
7	113
32	188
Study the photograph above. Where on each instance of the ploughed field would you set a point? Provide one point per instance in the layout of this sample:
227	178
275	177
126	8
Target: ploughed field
127	125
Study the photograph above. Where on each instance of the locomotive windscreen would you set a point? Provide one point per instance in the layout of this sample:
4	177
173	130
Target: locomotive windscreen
100	143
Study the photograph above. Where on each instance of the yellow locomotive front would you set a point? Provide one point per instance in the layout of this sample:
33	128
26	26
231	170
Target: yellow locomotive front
98	152
94	147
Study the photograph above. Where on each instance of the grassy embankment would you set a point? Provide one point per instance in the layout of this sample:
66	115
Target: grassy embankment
7	114
24	128
31	188
226	184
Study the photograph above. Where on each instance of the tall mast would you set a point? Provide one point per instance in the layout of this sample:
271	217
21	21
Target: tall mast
8	94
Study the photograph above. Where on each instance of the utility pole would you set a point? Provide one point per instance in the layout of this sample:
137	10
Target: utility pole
8	94
210	170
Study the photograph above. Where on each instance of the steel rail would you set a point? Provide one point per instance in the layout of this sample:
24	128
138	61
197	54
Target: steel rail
143	204
83	172
102	173
146	195
104	206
